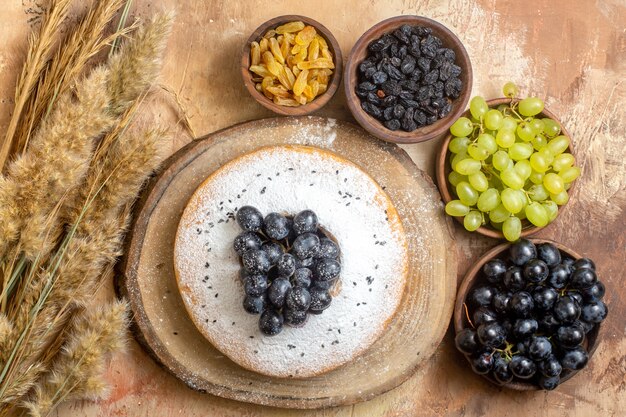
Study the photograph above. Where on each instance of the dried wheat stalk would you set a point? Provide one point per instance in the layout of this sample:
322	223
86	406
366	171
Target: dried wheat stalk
40	49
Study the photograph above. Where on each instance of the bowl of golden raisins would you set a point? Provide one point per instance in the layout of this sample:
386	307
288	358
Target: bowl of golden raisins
292	65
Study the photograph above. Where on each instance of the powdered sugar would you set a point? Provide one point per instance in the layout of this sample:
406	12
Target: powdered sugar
349	204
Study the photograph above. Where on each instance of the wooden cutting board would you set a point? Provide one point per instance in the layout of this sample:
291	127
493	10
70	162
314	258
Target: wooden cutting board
166	331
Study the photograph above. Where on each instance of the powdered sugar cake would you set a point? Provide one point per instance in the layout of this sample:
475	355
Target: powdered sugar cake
349	204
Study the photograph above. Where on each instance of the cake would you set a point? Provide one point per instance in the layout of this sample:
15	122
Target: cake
350	205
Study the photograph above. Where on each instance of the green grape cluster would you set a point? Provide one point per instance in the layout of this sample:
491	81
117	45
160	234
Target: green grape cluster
509	165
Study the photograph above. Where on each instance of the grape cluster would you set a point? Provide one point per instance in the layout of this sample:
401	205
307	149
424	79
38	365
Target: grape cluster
509	165
530	315
289	267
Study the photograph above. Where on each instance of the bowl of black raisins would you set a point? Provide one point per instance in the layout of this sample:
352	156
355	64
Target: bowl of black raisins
407	79
528	314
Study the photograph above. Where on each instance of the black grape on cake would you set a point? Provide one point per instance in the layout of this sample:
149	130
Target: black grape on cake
289	264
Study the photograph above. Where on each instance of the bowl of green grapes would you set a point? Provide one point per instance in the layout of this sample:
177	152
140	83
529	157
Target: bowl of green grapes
507	167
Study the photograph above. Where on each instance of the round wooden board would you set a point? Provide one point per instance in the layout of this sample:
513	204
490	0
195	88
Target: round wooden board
167	332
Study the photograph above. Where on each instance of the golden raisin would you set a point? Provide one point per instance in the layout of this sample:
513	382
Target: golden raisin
291	64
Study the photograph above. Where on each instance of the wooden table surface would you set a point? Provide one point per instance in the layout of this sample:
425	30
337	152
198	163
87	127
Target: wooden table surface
570	53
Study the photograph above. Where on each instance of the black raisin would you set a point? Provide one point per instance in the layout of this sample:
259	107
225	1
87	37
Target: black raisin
431	119
372	109
402	52
365	65
445	110
373	98
445	71
423	93
369	73
422	31
379	77
367	86
455	71
389	101
438	103
423	63
398	111
406	29
419	117
393	51
408	124
401	36
428	47
453	87
361	92
449	54
391	88
393	124
408	64
394	73
431	77
416	74
388	113
410	85
395	61
409	103
406	95
377	46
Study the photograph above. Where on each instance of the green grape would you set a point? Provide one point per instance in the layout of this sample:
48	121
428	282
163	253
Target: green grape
512	228
537	126
522	214
479	181
537	214
552	209
553	183
520	151
562	161
558	145
454	178
550	127
456	158
560	198
499	214
462	127
467	194
511	200
493	119
538	192
488	142
510	89
477	152
478	107
567	186
468	166
509	123
505	138
502	108
539	141
547	154
536	177
500	160
512	179
569	174
523	168
488	200
530	106
539	162
456	208
458	144
496	226
525	132
473	220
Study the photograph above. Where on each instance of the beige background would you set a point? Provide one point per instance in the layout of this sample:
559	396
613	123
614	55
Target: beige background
571	53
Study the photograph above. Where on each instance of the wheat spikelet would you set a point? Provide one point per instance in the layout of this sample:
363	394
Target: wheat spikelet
6	333
82	44
78	367
10	219
58	160
40	47
137	63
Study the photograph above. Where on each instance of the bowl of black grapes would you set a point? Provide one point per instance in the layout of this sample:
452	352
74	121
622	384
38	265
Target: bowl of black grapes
528	314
